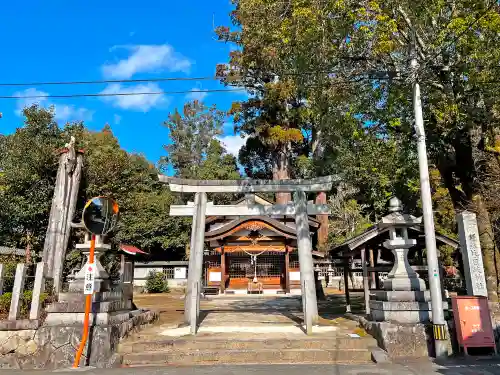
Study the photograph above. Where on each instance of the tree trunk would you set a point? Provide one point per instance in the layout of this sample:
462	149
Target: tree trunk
487	246
281	171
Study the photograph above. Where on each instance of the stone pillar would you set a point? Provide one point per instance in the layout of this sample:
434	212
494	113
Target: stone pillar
196	257
17	291
38	289
62	212
200	246
470	247
305	256
192	261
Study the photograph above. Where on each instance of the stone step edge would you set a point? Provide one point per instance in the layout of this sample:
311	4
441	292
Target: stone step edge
241	351
250	340
211	363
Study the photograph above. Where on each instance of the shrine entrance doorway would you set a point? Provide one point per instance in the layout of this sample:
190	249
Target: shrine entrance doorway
266	268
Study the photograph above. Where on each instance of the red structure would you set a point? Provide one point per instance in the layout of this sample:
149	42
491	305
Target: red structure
473	322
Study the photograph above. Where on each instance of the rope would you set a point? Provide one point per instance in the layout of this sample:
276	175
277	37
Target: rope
253	258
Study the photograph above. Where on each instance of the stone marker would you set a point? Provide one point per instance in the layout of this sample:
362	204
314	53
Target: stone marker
471	254
17	291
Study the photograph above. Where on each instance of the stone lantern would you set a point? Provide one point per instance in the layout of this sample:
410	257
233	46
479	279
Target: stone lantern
404	297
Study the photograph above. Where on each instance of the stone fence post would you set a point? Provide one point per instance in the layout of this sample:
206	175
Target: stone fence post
17	291
38	289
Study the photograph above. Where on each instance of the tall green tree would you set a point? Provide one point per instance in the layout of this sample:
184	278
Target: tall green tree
191	133
350	61
28	167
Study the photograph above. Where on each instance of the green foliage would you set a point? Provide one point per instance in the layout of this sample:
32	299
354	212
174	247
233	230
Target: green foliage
156	282
191	134
5	299
28	161
26	299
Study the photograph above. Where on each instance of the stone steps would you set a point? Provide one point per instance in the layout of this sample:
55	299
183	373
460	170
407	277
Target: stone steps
243	356
330	343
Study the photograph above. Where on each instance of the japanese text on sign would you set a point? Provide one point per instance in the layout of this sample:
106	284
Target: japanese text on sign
88	286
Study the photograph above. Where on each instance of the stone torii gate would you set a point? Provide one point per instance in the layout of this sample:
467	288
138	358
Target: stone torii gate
300	208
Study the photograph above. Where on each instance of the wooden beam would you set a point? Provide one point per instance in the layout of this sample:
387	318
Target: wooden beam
250	210
247	186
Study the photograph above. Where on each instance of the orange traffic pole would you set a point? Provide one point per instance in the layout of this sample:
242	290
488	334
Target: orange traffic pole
88	305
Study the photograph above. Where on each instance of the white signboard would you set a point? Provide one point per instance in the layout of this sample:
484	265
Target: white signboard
295	276
88	286
471	254
179	272
214	276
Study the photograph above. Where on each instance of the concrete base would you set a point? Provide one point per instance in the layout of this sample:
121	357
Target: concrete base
402	311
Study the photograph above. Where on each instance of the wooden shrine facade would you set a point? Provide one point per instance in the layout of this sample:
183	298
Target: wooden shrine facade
253	254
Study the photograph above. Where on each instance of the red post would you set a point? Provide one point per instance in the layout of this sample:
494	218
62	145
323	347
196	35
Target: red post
88	305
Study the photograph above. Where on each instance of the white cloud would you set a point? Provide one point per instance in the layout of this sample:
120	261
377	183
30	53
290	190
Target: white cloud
117	119
233	143
197	94
63	112
135	102
147	59
70	112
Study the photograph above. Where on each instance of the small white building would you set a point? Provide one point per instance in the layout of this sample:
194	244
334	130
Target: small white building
175	271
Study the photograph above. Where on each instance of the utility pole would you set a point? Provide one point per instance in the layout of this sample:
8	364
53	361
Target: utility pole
438	322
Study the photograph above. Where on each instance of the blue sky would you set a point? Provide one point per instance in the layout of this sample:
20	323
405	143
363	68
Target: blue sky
92	40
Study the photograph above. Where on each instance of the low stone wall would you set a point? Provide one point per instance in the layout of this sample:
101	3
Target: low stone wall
54	347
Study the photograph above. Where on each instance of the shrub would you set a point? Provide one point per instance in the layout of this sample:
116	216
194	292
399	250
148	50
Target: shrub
156	283
25	302
5	302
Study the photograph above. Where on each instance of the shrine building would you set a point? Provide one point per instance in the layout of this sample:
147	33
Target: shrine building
253	254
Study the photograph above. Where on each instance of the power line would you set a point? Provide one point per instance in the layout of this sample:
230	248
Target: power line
170	79
103	94
6	84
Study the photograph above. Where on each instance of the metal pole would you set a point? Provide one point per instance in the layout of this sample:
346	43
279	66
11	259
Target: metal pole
441	344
